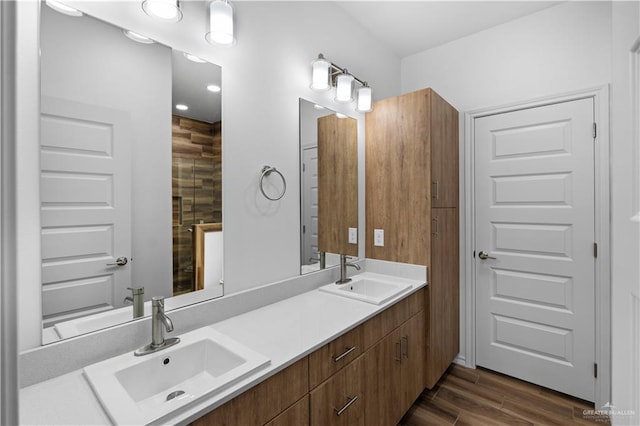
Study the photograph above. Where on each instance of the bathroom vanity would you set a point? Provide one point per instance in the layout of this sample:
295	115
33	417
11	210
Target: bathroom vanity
324	351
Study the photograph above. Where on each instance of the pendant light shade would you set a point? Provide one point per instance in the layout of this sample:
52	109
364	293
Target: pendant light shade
166	10
364	98
221	29
320	73
344	87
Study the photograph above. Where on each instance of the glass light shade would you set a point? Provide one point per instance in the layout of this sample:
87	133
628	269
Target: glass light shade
364	99
166	10
344	88
63	8
320	74
221	31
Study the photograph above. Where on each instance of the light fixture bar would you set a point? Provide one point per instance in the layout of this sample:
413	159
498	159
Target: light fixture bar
326	74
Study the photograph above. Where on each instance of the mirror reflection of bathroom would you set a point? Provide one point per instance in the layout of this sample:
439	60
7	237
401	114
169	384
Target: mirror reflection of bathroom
196	172
329	187
111	136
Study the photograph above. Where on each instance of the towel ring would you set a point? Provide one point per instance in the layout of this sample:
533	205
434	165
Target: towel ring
266	171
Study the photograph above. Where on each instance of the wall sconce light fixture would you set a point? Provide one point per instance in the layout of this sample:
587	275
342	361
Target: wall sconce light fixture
165	10
221	28
326	74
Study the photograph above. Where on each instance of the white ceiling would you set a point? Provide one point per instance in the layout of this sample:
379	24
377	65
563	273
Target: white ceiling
408	27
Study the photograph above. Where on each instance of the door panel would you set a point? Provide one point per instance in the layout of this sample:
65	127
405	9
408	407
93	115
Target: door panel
535	220
85	208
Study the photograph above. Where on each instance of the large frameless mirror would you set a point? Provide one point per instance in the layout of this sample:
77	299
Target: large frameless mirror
131	176
329	186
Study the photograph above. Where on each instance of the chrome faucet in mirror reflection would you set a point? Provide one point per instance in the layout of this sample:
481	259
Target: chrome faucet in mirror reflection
137	300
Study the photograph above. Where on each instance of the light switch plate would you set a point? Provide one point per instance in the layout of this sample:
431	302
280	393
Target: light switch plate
353	235
378	237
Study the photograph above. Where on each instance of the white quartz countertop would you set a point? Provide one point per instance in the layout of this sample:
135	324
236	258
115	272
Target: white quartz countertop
285	331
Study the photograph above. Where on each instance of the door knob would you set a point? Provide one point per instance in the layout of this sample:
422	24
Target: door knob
121	261
484	255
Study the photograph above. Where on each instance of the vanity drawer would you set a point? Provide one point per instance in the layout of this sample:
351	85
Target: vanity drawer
334	355
340	400
296	415
264	401
392	317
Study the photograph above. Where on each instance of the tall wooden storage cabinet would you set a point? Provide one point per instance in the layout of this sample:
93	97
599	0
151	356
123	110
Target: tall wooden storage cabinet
412	194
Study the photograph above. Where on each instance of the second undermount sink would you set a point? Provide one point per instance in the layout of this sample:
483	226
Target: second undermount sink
368	287
147	389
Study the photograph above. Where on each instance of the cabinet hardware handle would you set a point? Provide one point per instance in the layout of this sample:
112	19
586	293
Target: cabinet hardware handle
436	193
398	356
436	226
350	401
347	351
405	350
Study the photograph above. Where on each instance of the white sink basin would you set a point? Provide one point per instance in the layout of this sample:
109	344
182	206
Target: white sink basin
146	389
371	288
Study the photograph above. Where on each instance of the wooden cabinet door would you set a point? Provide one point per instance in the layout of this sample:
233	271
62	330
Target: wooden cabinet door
444	153
382	382
443	301
340	399
296	415
412	341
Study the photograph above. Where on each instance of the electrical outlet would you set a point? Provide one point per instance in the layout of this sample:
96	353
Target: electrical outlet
353	235
378	237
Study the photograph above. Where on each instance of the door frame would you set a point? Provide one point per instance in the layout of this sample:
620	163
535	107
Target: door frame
602	229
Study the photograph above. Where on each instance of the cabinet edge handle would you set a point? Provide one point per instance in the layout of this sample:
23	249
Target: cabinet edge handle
347	351
405	350
398	356
350	401
436	227
436	193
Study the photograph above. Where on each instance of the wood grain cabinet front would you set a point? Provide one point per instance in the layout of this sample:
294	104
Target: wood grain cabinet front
339	400
334	356
296	415
394	373
263	402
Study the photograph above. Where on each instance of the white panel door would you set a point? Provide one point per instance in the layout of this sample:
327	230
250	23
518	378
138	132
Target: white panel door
535	220
310	206
85	208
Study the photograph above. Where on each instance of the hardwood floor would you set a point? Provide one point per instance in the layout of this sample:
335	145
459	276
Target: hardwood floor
481	397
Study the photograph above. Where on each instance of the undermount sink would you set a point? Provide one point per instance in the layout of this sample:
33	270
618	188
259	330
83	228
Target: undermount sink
371	288
145	390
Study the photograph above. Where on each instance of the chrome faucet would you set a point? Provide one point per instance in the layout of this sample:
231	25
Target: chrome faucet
343	269
159	323
137	299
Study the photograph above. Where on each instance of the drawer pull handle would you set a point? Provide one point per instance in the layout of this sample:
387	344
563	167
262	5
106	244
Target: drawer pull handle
405	349
350	401
347	351
436	193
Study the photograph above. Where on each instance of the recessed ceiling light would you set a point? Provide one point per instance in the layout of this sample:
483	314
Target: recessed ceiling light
63	8
194	58
341	115
318	107
214	88
182	107
166	10
137	37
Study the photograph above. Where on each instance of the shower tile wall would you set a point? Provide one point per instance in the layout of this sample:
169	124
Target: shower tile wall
197	190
